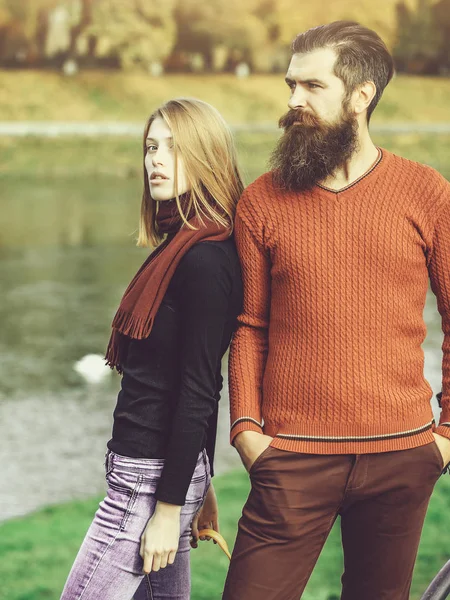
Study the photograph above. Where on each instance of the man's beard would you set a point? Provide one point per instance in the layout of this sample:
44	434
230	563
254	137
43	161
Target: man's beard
310	150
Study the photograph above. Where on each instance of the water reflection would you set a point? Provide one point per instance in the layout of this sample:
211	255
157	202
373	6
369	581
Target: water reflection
57	306
68	212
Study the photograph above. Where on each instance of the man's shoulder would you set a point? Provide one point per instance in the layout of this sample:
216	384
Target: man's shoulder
413	170
262	186
258	197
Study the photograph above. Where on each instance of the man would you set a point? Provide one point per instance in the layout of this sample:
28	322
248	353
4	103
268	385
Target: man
330	410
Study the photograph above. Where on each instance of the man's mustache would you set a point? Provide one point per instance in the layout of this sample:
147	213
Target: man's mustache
298	117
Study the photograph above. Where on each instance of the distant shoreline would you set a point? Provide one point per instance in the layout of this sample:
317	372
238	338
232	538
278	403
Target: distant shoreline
133	129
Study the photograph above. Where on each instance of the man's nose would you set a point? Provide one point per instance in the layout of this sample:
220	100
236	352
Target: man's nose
298	99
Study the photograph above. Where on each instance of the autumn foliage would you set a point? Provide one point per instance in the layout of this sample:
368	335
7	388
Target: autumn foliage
208	35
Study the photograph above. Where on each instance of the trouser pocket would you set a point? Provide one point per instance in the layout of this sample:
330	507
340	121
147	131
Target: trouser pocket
439	458
264	454
123	490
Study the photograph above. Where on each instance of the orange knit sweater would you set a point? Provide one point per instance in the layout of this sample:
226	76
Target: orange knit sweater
327	357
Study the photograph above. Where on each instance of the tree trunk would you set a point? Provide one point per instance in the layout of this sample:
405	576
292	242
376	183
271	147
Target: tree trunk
41	35
77	30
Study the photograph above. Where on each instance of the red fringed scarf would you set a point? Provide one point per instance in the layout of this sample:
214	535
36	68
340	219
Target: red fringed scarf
142	298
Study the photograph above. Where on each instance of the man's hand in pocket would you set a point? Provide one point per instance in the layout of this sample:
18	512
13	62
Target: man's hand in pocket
250	445
443	444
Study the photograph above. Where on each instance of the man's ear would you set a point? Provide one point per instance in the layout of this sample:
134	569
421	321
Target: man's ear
363	96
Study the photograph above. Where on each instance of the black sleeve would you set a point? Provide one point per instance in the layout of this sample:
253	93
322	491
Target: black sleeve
203	287
211	439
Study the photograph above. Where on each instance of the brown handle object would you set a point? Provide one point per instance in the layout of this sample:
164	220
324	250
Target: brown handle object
439	588
217	538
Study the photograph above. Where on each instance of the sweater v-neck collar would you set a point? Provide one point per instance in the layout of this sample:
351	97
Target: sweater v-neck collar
364	178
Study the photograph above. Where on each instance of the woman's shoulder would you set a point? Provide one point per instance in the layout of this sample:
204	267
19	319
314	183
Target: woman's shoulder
210	255
208	265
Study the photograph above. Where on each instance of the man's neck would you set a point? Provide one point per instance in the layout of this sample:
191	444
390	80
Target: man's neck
359	164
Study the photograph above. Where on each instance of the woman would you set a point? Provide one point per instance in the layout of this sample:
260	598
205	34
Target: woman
170	332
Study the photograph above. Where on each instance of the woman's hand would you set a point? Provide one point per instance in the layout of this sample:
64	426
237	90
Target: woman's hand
159	542
206	518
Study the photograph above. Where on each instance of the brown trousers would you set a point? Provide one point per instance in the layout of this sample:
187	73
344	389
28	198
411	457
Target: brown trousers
295	499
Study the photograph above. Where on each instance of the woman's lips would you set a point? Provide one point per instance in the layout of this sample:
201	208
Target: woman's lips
156	178
157	181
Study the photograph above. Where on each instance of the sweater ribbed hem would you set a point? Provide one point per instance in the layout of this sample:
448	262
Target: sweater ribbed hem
352	438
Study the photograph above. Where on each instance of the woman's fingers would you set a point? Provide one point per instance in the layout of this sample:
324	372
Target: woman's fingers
163	560
154	561
148	562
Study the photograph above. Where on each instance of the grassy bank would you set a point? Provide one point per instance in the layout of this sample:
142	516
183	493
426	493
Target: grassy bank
103	95
36	552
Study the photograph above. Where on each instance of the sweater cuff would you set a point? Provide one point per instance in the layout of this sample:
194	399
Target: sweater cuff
443	429
244	424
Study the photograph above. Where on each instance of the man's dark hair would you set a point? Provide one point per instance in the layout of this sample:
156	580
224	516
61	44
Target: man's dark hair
361	55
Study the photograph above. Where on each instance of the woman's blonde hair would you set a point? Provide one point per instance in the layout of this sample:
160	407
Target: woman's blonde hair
204	142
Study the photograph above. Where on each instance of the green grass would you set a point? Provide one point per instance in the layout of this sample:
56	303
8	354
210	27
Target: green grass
36	552
110	95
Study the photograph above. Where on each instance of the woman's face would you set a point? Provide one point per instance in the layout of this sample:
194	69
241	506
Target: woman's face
160	163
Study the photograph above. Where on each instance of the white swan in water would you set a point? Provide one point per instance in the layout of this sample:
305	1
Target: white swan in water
92	368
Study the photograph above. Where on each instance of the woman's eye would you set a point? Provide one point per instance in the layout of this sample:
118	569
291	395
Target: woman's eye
151	148
313	86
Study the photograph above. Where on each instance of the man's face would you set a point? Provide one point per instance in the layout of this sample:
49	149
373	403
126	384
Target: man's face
315	89
320	129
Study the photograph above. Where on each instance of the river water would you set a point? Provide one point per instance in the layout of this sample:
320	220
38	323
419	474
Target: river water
66	254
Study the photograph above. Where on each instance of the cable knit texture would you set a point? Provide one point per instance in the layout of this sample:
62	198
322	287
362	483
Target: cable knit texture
327	357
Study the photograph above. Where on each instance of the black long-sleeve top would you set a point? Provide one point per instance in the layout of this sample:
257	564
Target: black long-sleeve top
168	403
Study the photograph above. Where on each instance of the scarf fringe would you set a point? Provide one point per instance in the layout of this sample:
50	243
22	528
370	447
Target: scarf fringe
131	325
125	324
